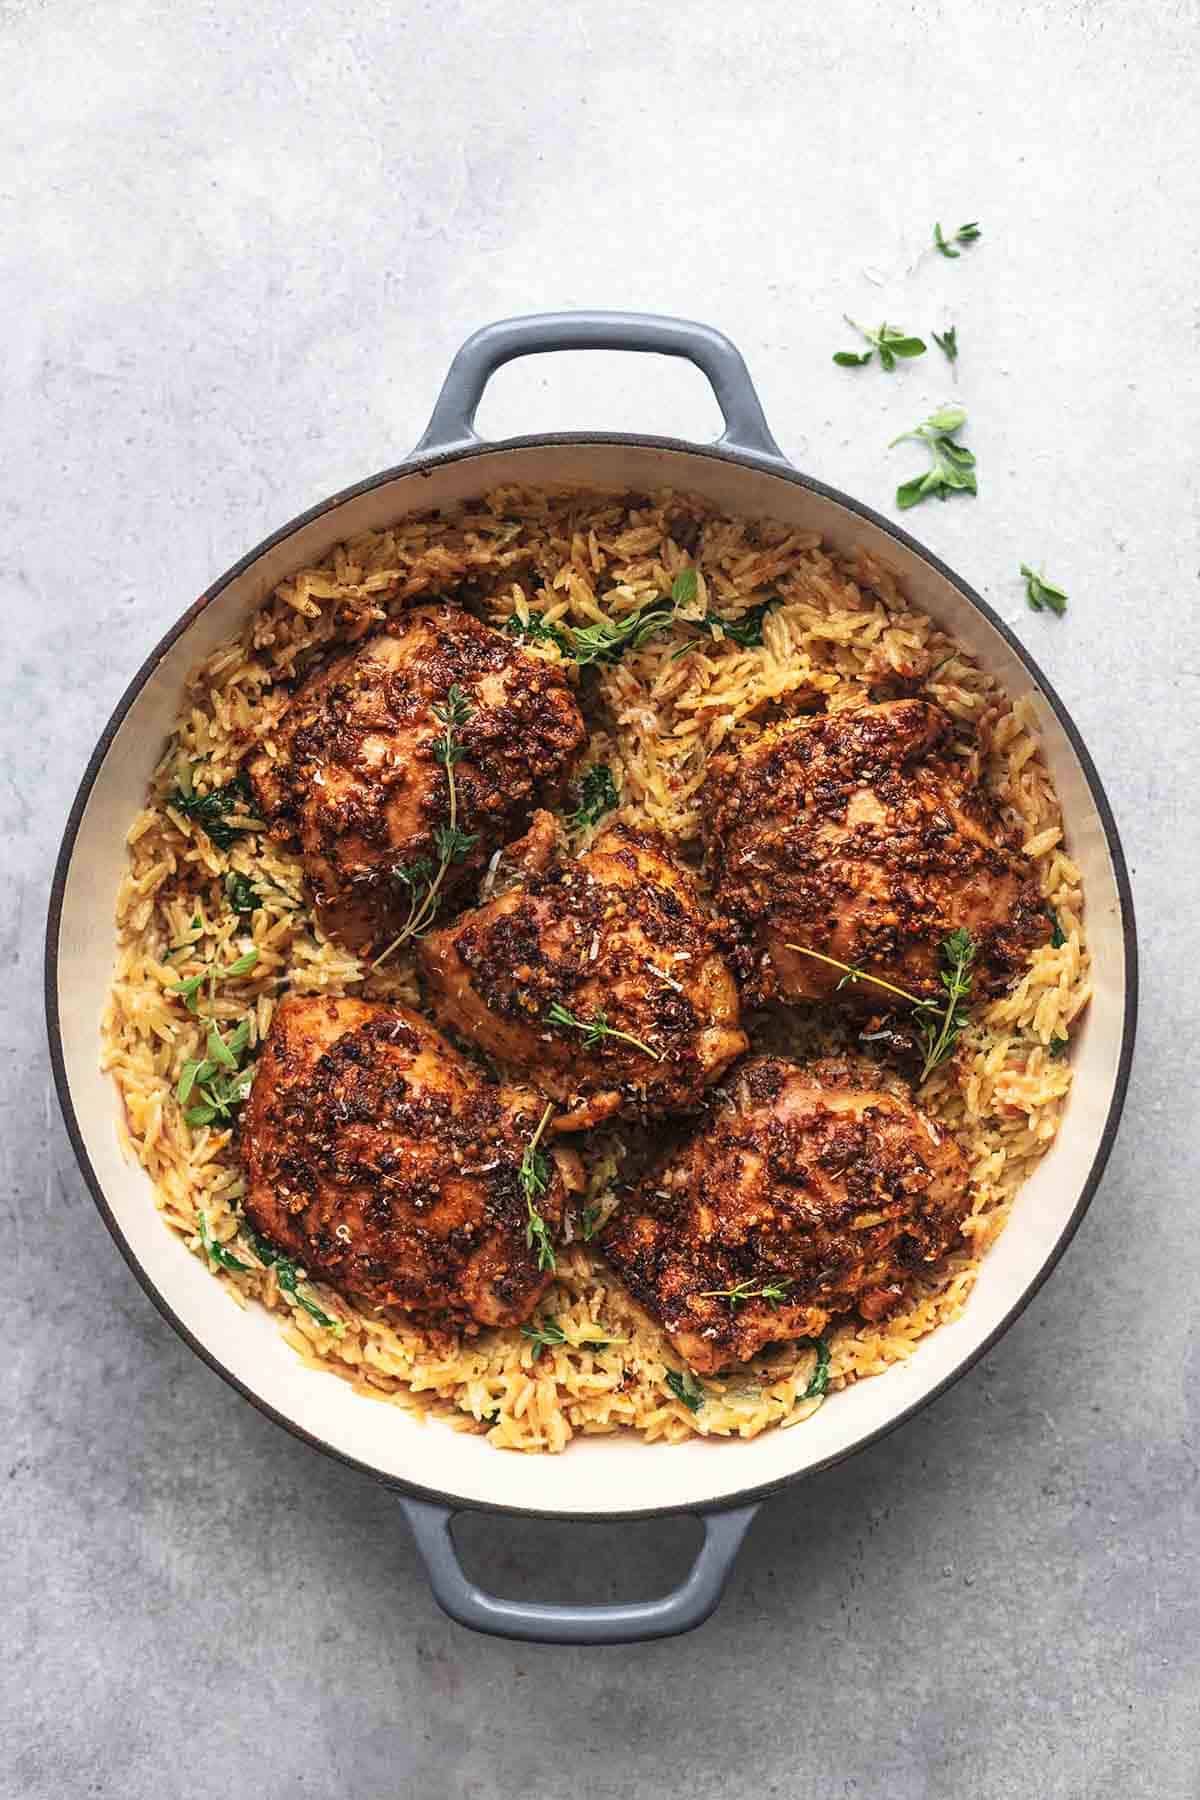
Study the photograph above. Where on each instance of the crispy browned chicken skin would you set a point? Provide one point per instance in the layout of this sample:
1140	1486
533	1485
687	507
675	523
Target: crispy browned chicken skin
804	1182
357	781
388	1167
858	835
621	932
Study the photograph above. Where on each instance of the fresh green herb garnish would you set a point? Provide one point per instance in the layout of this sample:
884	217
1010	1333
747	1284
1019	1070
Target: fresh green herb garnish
1058	936
746	631
423	881
947	343
607	641
536	629
953	469
685	1387
287	1277
685	587
942	1024
597	796
888	341
218	1081
218	1256
939	1022
1041	593
189	990
543	1334
535	1179
1059	1046
818	1381
966	234
240	892
772	1292
209	810
595	1029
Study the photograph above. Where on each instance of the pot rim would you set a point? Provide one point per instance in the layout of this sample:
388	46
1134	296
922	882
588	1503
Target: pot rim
427	464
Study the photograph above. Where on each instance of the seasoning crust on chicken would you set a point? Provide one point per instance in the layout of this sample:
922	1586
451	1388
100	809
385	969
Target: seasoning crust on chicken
619	936
858	835
380	1160
355	773
826	1193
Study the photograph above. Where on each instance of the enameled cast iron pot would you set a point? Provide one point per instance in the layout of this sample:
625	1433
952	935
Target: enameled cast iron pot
436	1472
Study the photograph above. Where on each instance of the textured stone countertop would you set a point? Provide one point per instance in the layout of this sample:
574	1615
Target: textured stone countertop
239	246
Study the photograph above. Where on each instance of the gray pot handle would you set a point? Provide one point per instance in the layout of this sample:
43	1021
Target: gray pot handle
452	426
536	1622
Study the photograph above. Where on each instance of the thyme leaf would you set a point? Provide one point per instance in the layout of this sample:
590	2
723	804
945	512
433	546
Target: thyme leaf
595	1029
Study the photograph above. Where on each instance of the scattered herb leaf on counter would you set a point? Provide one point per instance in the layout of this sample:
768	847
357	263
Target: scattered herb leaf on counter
685	1387
1041	593
889	341
597	1028
210	810
818	1381
947	343
540	1335
966	234
535	1179
597	795
953	466
850	359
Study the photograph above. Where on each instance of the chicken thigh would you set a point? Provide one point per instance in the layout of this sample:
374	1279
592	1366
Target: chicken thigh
807	1194
602	979
358	771
379	1159
858	836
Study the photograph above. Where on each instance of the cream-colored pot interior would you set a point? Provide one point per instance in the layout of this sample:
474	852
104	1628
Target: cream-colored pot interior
618	1475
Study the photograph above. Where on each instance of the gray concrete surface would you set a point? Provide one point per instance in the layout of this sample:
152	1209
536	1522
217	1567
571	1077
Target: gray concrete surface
239	246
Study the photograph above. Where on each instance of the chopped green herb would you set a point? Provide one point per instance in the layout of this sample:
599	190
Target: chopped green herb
535	1179
210	810
543	1334
589	1223
772	1292
218	1256
607	641
595	1029
1059	1046
423	881
219	1083
685	587
1058	936
818	1381
953	468
746	631
1042	593
685	1387
240	892
536	629
189	990
888	341
966	234
287	1277
947	343
597	796
491	1418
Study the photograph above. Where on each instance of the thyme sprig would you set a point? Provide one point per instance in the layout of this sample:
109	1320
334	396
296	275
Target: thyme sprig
534	1175
422	878
596	1029
940	1022
773	1292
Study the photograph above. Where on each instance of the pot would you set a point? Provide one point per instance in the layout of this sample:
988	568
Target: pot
435	1472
